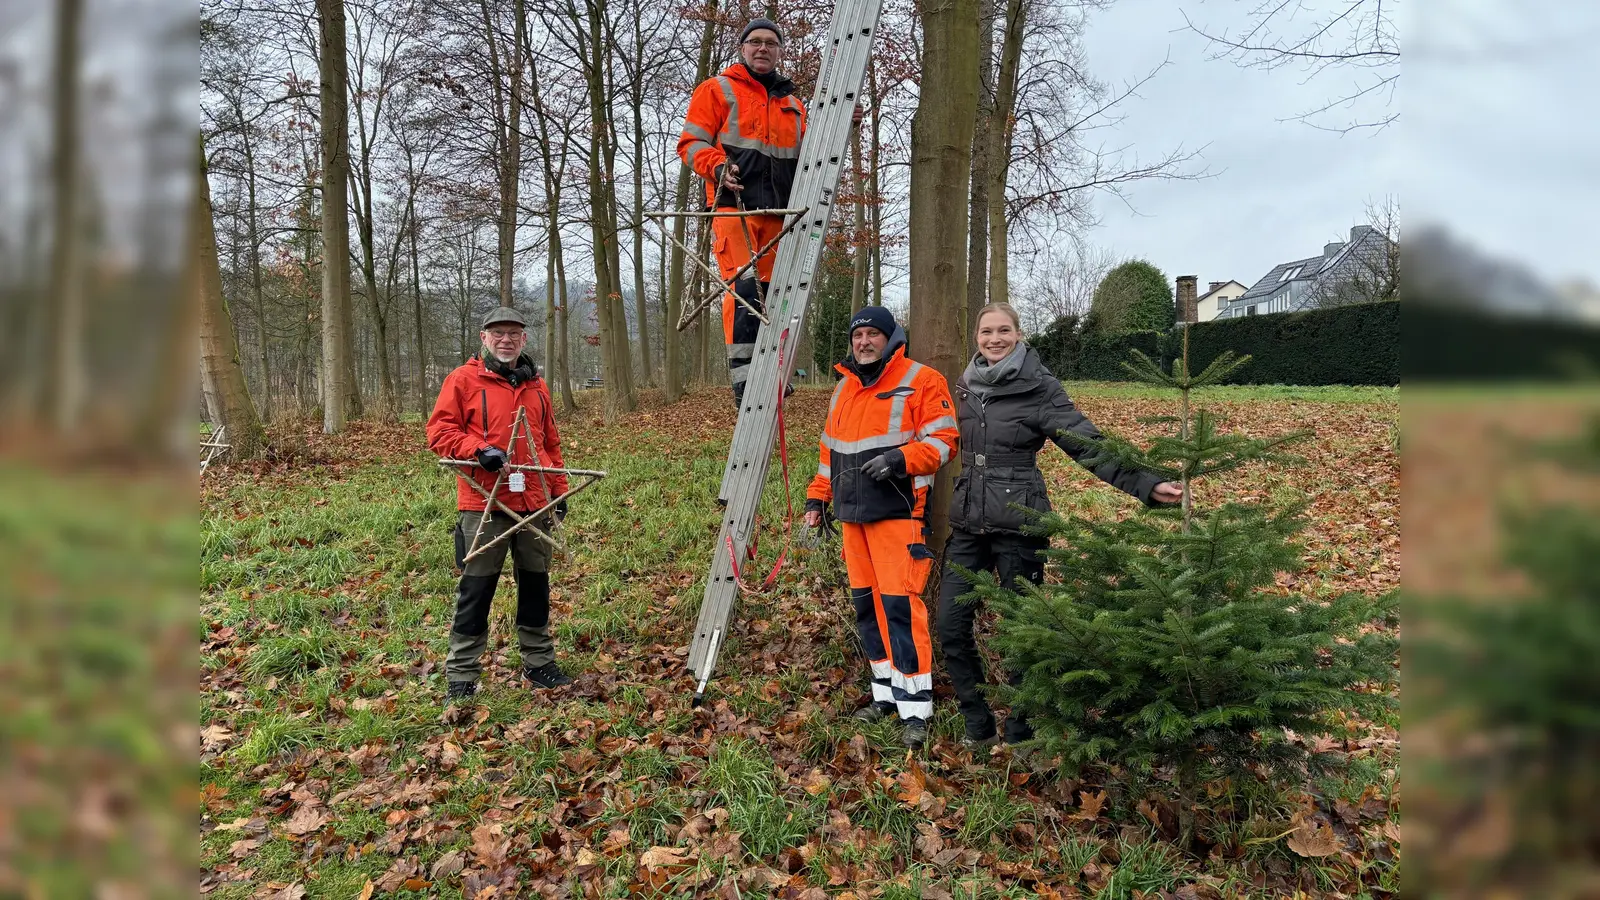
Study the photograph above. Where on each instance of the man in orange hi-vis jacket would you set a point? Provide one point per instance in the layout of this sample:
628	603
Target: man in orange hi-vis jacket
890	427
742	135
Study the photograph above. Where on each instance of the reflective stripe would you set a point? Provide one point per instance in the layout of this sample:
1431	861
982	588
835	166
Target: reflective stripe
897	409
937	424
760	146
941	446
881	442
741	351
921	481
695	149
915	709
695	131
731	126
739	375
882	693
912	684
825	470
882	669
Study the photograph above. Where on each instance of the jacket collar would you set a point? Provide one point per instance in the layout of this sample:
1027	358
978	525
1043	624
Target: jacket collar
781	88
1028	379
894	364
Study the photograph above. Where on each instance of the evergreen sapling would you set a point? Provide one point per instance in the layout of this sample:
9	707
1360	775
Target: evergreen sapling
1164	646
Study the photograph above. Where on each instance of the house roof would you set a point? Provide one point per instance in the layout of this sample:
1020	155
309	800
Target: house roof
1272	282
1220	288
1363	241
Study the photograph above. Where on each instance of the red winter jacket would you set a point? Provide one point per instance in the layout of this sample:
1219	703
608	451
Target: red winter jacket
476	409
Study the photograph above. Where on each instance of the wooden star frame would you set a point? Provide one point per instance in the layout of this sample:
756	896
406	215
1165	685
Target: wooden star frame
520	522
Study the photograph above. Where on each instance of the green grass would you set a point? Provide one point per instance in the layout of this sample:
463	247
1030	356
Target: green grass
336	584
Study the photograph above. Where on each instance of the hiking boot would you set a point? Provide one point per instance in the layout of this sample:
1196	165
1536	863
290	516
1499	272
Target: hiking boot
915	734
874	712
548	675
973	742
459	690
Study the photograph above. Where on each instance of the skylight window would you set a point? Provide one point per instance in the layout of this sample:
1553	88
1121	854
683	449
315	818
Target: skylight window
1291	272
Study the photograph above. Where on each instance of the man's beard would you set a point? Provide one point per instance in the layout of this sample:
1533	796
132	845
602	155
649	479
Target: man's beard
490	351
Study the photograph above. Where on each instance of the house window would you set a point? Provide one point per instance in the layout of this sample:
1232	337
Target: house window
1289	273
1251	312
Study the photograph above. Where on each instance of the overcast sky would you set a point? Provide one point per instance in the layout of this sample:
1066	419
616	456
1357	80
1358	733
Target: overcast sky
1280	189
1497	137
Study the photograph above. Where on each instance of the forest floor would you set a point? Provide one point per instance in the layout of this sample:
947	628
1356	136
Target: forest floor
331	768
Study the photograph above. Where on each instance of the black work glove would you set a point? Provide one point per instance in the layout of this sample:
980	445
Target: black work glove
881	468
491	458
561	510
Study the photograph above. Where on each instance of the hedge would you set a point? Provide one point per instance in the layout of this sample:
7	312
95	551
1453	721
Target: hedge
1358	344
1072	356
1449	342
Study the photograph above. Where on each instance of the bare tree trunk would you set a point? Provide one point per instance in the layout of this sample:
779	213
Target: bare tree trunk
858	284
416	312
336	337
876	210
222	377
641	312
673	299
253	235
66	390
982	148
941	170
1000	148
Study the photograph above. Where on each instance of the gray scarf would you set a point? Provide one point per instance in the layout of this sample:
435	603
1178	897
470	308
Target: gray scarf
983	377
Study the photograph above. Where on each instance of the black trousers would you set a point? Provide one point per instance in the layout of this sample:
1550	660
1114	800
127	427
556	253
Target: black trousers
1009	557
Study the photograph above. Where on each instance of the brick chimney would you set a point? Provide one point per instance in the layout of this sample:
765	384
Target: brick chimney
1188	310
1214	285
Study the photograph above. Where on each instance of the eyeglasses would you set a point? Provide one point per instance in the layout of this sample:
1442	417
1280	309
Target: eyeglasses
507	335
768	44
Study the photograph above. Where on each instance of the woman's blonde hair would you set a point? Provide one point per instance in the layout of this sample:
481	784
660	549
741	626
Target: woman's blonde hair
1008	309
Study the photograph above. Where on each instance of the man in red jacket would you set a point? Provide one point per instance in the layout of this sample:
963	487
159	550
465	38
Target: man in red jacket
472	419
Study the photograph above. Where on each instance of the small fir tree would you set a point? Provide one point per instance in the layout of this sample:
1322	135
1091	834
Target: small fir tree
1165	643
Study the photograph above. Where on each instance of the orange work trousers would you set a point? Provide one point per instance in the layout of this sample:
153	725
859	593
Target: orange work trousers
739	327
888	563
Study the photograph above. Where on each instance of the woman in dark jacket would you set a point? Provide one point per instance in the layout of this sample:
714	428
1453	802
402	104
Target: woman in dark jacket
1008	405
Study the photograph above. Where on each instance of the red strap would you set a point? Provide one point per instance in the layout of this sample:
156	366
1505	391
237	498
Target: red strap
788	495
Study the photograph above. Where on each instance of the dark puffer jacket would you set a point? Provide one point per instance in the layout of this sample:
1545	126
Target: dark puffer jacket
1000	442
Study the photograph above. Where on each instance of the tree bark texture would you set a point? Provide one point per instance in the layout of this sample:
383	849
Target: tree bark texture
941	172
1005	103
336	326
221	376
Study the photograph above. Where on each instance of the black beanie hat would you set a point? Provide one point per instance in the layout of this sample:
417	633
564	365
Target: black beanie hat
874	317
757	25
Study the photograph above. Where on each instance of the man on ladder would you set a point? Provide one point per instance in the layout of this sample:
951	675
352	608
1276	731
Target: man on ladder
742	135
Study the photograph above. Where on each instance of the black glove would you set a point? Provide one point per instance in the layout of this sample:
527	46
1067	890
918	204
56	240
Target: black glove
561	510
491	458
881	468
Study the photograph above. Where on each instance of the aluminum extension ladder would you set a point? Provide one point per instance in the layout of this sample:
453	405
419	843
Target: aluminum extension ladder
822	154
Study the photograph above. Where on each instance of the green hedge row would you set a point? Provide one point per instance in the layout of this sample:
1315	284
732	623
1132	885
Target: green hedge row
1450	343
1347	345
1357	344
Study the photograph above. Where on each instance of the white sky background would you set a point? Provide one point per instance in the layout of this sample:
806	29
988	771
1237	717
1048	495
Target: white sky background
1496	138
1281	188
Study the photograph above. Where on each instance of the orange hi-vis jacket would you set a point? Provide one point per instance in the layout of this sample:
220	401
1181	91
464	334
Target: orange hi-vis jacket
733	117
906	407
476	409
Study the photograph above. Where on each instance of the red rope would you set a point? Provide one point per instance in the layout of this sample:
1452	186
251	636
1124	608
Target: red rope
788	495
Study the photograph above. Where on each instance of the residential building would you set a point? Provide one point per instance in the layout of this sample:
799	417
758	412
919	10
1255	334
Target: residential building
1363	268
1204	308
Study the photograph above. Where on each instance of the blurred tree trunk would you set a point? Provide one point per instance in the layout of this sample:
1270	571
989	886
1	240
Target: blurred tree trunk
941	173
65	389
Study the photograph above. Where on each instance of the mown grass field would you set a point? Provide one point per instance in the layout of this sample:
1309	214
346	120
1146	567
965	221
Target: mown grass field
330	767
